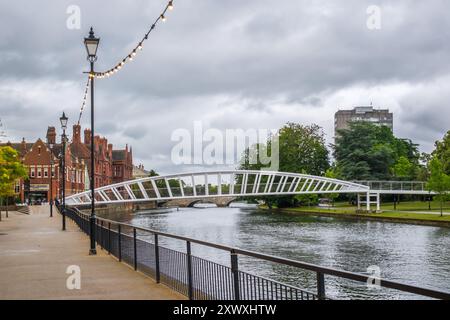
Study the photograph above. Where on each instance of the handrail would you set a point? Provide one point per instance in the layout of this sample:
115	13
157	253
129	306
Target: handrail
433	293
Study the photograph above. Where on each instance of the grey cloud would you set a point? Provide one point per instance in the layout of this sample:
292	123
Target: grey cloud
233	63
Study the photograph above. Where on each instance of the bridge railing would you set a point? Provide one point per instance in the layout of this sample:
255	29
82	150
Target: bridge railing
395	185
201	279
237	183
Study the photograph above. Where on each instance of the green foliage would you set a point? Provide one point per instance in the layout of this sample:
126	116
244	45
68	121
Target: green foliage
403	169
369	152
442	152
302	149
332	173
306	200
439	181
153	173
11	169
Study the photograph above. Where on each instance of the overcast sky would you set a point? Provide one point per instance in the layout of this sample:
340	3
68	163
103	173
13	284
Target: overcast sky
229	63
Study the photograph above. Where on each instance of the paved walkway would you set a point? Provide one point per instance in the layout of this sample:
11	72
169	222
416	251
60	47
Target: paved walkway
35	254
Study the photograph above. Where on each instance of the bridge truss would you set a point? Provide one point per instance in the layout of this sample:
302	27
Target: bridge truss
204	185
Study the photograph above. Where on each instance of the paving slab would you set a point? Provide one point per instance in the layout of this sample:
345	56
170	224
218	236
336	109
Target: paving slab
35	255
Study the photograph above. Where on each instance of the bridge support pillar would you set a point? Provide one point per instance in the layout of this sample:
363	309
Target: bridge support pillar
368	202
378	203
368	199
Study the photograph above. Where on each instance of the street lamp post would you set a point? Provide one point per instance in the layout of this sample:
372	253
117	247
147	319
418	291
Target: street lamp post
51	180
91	44
63	120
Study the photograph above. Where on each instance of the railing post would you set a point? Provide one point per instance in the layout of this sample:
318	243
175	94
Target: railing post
189	269
157	274
100	235
120	243
109	237
320	286
135	249
235	271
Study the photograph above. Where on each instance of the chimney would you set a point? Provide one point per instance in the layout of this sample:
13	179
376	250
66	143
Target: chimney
76	138
51	135
23	147
87	136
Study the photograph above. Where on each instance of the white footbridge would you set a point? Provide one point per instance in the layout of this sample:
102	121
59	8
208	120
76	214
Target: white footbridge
237	183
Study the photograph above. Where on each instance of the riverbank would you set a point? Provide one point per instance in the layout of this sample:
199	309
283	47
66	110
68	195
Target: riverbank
427	219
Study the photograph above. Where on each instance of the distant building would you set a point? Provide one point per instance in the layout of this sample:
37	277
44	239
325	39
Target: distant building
140	172
111	166
122	165
343	118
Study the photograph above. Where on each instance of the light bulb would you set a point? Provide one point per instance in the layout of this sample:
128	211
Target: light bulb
134	53
163	18
170	6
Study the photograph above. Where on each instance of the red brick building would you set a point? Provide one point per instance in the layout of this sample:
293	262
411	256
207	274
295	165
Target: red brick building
122	165
44	169
110	165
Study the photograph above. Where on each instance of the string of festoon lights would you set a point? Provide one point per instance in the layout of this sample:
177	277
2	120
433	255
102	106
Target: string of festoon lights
128	58
88	83
136	49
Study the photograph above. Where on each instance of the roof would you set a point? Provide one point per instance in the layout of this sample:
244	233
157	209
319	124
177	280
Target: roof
118	155
80	150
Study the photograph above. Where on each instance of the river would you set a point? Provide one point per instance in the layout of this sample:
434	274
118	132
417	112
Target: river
417	255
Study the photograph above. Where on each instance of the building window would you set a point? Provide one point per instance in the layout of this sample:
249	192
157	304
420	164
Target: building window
39	172
53	172
32	172
45	172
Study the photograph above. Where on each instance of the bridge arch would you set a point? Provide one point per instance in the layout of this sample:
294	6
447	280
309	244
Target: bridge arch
206	185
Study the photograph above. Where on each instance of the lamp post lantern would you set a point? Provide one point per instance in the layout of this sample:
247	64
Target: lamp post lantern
91	44
63	120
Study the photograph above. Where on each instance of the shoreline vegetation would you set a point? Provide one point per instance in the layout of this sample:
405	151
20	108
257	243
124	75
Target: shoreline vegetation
407	212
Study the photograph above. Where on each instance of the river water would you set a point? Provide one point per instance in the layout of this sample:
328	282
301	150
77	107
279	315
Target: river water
417	255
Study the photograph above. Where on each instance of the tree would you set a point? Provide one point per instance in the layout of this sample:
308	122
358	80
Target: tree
302	149
250	161
403	169
11	169
366	151
442	152
439	181
153	173
331	173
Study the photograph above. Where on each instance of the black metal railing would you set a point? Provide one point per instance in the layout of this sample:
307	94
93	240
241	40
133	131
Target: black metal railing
201	279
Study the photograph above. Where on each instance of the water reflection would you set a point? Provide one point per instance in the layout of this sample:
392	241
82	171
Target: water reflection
417	255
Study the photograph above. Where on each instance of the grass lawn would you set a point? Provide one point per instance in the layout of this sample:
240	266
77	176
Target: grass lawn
417	206
405	210
403	206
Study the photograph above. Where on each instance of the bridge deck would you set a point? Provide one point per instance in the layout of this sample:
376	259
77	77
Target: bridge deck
34	255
